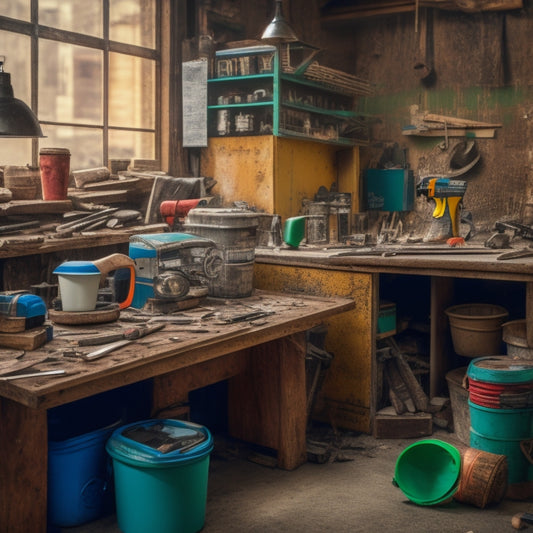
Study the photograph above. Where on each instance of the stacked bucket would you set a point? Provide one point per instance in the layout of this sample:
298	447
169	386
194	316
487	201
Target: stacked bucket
501	411
500	388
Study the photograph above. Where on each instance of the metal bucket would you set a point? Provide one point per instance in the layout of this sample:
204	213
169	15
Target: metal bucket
234	231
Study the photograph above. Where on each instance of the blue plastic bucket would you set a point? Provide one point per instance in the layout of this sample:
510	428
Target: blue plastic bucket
161	472
504	424
519	464
80	480
427	472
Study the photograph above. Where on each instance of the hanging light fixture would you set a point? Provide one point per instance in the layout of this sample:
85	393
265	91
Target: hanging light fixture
16	118
278	31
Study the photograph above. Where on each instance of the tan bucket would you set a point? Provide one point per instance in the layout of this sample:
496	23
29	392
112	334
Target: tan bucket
476	328
483	478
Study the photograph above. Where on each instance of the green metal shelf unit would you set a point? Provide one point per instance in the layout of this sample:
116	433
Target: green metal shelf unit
252	93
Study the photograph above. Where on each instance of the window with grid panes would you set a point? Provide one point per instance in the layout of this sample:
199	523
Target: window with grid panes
89	71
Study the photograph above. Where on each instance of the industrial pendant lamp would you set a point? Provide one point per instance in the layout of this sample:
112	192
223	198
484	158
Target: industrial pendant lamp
16	118
278	31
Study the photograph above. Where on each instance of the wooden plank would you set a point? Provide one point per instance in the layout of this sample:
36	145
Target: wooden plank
173	389
457	122
35	207
100	197
26	340
473	6
90	175
405	426
133	185
480	133
393	7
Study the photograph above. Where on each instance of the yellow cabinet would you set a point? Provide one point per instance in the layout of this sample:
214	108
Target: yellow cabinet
275	174
347	398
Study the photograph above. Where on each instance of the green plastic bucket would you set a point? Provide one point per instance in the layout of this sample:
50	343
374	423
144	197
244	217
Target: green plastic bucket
428	471
501	423
519	465
160	469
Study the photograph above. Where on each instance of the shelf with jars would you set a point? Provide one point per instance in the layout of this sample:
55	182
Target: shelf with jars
254	90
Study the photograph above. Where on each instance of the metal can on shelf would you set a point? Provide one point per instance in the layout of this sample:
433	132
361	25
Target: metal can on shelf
223	122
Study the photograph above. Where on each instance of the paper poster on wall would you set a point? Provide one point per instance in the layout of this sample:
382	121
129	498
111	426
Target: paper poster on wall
194	91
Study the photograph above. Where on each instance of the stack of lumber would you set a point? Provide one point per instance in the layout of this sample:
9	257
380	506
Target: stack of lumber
435	125
411	414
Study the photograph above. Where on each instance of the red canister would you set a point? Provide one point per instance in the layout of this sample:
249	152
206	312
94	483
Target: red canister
55	172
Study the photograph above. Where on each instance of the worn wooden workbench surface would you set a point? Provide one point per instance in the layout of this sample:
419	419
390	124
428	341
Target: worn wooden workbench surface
464	262
46	242
215	327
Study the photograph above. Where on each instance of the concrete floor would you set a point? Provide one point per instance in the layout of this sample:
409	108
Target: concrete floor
353	492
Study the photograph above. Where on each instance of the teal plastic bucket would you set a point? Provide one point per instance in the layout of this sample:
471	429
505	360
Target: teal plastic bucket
161	472
504	424
501	369
428	471
519	464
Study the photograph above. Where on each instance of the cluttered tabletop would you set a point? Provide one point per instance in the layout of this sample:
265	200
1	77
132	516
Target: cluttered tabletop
141	344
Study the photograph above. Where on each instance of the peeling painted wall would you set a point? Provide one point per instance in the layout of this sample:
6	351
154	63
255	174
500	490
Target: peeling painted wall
482	71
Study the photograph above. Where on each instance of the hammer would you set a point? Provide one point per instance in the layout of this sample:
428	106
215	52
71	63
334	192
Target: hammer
521	520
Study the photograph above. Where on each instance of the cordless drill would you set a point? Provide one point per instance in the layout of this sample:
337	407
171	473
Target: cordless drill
448	194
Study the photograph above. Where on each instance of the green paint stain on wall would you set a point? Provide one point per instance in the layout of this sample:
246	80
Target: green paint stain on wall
467	103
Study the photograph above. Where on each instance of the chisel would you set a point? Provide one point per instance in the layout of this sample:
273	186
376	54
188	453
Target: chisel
142	332
127	334
32	375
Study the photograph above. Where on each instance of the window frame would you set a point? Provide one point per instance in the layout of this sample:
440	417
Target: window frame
36	31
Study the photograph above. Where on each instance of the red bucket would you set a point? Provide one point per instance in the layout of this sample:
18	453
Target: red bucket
501	395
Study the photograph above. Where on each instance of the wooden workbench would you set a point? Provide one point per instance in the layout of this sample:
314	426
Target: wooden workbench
264	360
349	392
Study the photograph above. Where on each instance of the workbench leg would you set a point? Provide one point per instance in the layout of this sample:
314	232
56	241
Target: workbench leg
441	298
529	313
267	402
23	468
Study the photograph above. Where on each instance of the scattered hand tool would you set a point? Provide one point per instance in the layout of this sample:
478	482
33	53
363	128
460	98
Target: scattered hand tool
127	334
516	254
33	375
86	221
520	230
247	316
521	520
137	334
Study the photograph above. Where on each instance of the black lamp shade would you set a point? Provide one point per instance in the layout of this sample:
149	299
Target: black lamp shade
16	118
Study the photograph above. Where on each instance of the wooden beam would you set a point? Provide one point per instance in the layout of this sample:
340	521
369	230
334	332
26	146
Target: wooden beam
394	7
474	6
370	9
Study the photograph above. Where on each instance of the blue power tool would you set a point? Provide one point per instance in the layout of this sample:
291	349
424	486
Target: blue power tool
23	304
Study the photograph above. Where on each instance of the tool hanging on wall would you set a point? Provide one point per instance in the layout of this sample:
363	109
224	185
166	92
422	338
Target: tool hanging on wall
448	192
